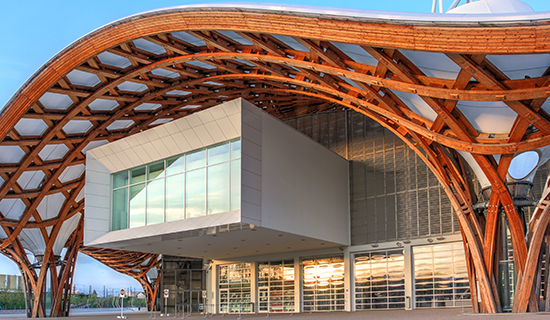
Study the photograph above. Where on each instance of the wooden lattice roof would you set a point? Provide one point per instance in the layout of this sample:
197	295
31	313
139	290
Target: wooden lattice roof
478	87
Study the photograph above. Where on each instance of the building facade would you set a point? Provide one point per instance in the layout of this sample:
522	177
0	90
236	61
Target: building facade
393	241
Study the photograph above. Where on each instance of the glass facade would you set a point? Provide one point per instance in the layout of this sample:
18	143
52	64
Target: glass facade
195	184
380	280
323	284
441	276
276	286
235	288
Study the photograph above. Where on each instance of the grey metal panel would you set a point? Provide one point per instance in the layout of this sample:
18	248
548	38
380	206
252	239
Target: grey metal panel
393	194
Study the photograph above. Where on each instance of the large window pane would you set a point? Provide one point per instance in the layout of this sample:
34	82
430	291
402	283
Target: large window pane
218	154
120	179
137	175
236	149
236	184
218	188
195	193
155	201
137	205
120	209
175	165
196	159
174	197
155	170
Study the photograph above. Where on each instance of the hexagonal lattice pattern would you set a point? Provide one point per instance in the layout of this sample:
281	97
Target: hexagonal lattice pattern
55	101
11	154
31	179
49	206
81	78
53	152
160	121
31	127
120	124
12	208
114	60
77	126
148	46
132	86
103	105
72	173
94	144
147	106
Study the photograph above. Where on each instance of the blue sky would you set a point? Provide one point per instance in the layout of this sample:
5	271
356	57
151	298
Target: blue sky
32	31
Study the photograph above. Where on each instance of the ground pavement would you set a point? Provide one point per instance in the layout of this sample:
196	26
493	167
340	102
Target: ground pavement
436	314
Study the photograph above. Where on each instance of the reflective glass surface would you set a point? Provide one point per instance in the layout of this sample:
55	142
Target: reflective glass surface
120	209
218	188
155	170
137	175
234	288
202	182
276	286
155	201
120	179
218	154
195	193
380	280
324	284
137	205
441	276
174	197
175	165
196	160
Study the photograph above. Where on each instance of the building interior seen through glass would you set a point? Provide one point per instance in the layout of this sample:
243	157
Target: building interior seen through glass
380	280
198	183
323	284
235	288
276	286
441	276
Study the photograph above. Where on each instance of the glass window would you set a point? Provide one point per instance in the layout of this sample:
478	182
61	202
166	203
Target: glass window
441	276
276	286
137	204
218	154
120	179
380	280
235	184
235	149
202	182
324	284
175	165
195	193
234	286
196	160
120	208
174	197
137	175
155	170
155	201
218	188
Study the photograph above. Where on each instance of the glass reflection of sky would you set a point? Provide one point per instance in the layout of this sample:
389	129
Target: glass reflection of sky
202	182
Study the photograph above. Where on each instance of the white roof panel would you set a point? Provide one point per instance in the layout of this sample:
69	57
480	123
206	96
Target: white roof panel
31	127
103	105
521	66
433	64
184	36
149	46
488	116
81	78
114	60
53	152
